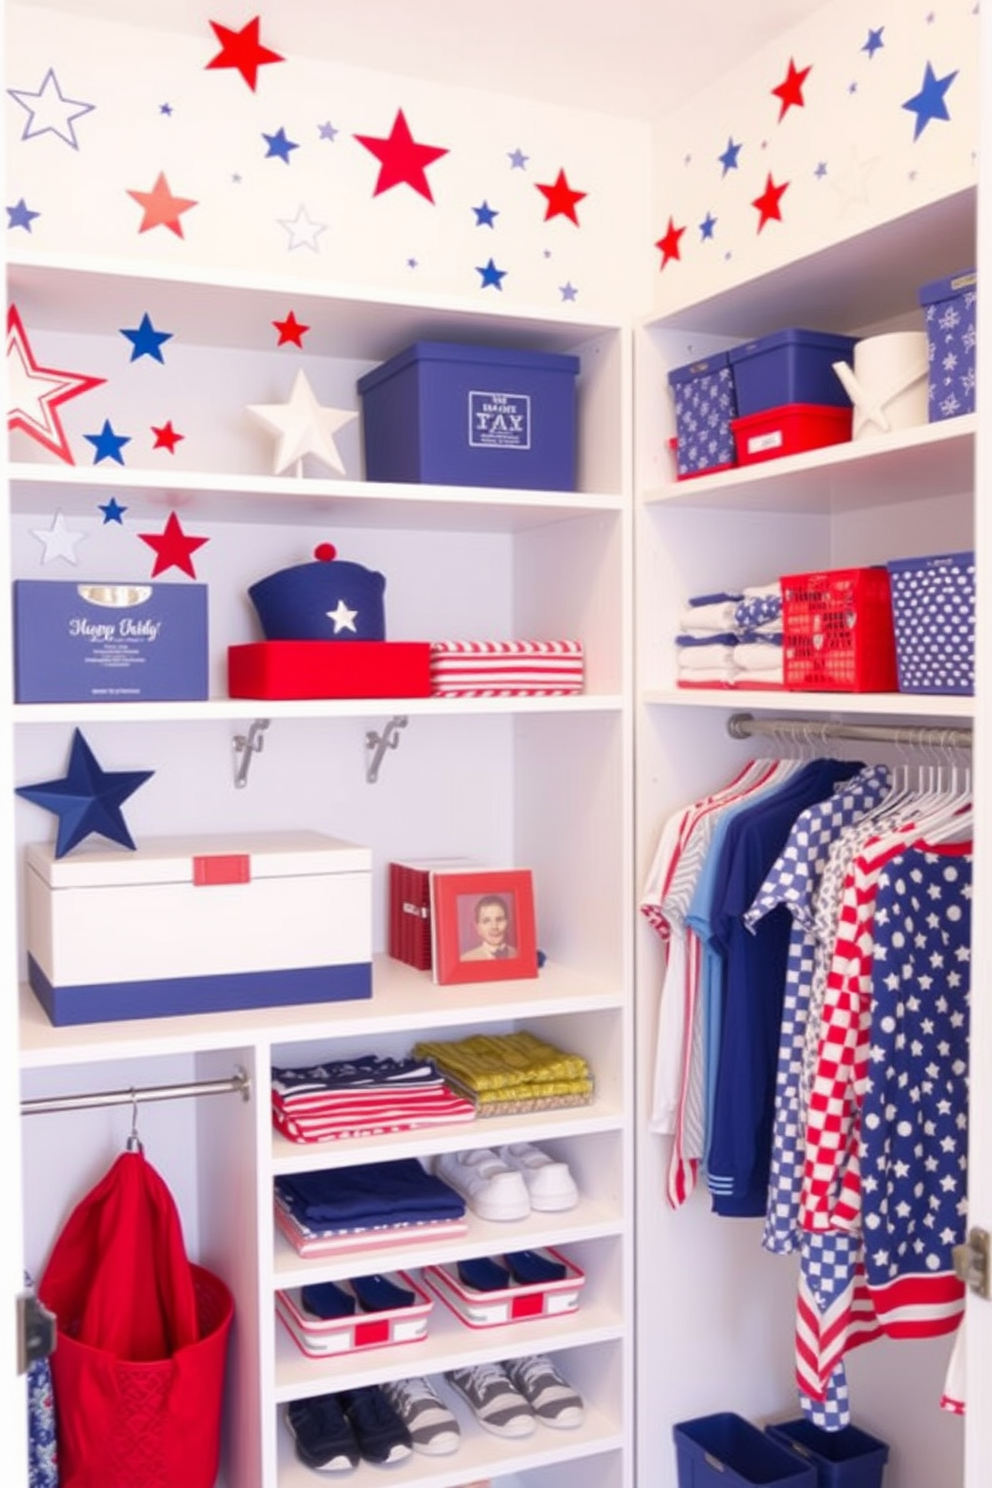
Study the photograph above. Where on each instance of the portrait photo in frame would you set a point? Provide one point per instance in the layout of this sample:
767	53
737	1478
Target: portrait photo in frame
483	925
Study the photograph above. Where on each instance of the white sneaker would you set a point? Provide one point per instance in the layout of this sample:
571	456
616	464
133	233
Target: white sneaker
490	1187
549	1182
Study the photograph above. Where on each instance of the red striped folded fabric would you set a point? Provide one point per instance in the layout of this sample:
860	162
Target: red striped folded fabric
506	668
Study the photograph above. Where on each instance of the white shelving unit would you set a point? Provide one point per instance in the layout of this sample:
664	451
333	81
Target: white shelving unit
846	505
497	780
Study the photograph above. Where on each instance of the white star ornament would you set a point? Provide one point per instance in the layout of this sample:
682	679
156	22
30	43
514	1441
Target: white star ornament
303	427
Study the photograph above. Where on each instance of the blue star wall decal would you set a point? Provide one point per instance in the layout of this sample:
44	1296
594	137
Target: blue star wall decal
146	340
107	444
706	227
729	157
279	145
113	511
485	216
929	102
491	276
327	131
87	800
21	215
568	292
874	42
50	111
518	160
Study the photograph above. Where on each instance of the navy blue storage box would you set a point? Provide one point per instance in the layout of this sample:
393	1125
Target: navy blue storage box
725	1451
849	1458
950	312
790	366
704	406
457	415
933	615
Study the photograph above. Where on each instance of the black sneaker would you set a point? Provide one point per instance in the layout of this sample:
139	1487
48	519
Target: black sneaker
323	1434
379	1430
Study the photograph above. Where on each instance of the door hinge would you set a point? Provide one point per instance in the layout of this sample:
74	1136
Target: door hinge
971	1262
36	1331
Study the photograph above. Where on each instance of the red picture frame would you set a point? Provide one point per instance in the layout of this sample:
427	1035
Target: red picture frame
483	925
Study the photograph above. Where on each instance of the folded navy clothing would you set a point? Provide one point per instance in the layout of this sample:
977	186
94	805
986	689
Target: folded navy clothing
325	1299
719	597
761	637
709	638
530	1267
757	610
483	1274
355	1074
379	1294
368	1194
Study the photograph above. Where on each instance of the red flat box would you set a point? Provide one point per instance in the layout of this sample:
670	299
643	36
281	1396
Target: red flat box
295	670
789	430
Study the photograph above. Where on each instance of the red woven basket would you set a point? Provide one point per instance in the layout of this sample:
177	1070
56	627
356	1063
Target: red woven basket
838	634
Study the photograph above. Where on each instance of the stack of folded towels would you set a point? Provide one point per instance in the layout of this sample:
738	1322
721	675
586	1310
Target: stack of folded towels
362	1096
732	639
511	1072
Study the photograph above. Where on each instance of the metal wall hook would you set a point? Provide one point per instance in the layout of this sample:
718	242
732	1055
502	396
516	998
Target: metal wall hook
379	743
245	746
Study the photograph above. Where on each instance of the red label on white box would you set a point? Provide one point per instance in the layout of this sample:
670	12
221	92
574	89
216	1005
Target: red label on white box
226	868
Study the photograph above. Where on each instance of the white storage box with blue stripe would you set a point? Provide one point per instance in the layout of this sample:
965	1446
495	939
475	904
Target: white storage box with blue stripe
198	925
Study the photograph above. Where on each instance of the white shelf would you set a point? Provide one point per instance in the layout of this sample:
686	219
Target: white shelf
235	710
853	705
403	999
889	469
589	1220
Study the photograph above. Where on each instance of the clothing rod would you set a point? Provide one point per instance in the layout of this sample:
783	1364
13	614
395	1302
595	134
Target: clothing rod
743	725
238	1083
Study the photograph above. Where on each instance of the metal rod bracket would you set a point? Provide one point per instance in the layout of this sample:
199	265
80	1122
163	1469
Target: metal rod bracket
245	747
379	743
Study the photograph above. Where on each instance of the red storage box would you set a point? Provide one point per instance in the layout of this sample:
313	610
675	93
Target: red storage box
511	1304
838	631
319	1338
789	430
294	670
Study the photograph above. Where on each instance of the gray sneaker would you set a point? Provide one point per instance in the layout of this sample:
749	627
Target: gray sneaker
552	1398
432	1427
493	1401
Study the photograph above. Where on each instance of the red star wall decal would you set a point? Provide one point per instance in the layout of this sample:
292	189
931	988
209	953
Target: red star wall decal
161	208
769	202
790	93
36	392
291	332
669	244
173	549
562	200
166	437
242	50
402	162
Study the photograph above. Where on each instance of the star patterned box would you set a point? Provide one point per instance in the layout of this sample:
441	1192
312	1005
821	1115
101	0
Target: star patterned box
455	415
950	315
198	925
705	403
109	642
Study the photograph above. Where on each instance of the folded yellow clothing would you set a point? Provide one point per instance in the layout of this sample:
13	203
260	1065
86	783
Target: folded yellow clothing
539	1090
496	1061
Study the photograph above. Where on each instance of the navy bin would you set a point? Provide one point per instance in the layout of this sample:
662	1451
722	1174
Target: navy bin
454	415
704	407
849	1458
790	366
725	1451
950	312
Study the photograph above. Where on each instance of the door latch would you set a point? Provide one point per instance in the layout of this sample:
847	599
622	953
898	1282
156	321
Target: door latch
971	1262
36	1331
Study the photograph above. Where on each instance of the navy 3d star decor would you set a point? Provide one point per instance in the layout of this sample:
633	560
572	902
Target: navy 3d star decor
87	799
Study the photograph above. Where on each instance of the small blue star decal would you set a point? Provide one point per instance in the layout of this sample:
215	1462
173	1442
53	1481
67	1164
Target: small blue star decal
485	216
568	292
107	444
852	87
146	340
518	160
411	263
165	108
706	227
327	131
929	102
87	800
821	170
279	145
21	215
874	42
113	512
729	157
491	275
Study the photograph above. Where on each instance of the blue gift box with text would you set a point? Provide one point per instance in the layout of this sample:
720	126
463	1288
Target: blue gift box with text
109	642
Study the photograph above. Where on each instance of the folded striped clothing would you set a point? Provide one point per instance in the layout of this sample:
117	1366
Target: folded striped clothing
361	1097
309	1241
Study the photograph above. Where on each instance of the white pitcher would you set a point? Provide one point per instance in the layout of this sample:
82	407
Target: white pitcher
888	383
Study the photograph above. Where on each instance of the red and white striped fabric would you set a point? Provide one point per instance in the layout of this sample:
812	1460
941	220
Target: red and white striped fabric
506	668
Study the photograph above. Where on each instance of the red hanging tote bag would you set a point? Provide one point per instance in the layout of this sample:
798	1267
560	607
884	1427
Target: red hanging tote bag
138	1368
